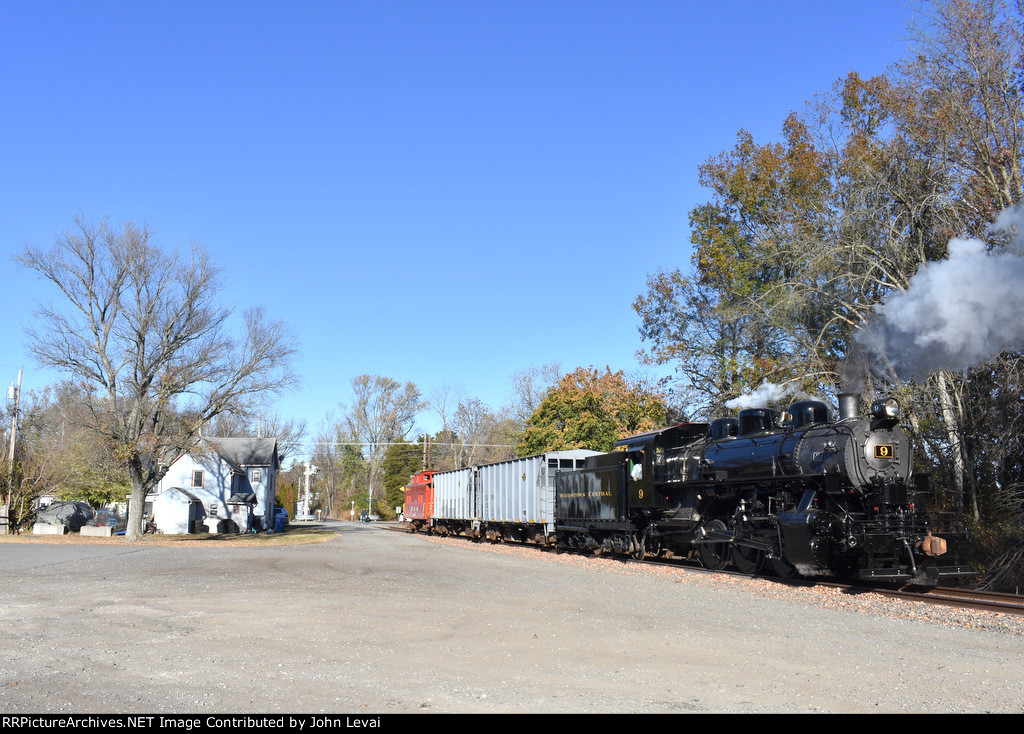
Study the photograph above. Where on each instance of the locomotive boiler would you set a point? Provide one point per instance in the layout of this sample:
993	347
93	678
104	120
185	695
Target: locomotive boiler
797	492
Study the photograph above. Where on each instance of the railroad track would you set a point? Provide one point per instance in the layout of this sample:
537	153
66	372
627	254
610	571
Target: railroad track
989	601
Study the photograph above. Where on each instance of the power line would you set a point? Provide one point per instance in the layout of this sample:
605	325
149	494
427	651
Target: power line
411	445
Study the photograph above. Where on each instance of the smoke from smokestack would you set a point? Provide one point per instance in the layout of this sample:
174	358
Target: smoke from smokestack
956	313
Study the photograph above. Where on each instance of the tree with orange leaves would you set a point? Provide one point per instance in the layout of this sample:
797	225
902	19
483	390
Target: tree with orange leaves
716	323
592	409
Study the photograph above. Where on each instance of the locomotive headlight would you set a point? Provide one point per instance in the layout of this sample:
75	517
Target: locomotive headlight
888	409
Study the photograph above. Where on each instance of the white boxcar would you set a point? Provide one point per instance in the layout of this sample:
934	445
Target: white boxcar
455	499
521	492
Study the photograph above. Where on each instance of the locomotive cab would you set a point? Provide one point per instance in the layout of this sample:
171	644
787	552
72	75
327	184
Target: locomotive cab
658	457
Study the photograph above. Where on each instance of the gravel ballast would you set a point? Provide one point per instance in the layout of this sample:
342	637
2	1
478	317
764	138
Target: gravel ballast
375	621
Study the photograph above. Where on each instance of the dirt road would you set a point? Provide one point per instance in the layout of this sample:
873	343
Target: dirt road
376	622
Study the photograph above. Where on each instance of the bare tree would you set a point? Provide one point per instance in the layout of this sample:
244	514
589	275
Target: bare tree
383	411
290	433
471	432
968	65
141	328
443	400
530	387
445	450
343	471
482	434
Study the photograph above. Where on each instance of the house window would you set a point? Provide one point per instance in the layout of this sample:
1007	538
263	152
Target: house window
257	476
197	478
213	509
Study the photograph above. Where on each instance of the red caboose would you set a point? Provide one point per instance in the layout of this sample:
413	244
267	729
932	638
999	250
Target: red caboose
419	499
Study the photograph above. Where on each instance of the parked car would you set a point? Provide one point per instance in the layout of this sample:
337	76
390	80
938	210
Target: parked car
280	519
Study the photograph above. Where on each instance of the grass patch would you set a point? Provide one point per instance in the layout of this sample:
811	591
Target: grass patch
291	536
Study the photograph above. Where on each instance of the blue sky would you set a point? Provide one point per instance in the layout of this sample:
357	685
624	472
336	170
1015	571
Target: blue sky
441	192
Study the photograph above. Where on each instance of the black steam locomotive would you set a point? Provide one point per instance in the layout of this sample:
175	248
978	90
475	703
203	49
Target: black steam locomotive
796	492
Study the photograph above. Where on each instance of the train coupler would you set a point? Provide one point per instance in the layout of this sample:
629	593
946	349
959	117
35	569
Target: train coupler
932	545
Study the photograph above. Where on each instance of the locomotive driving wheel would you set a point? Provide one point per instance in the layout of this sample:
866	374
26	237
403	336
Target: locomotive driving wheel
639	551
782	568
714	556
747	560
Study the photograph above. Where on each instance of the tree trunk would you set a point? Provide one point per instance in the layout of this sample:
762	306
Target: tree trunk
952	419
137	504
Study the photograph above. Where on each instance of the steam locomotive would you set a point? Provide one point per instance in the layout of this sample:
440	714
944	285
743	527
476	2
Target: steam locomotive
794	492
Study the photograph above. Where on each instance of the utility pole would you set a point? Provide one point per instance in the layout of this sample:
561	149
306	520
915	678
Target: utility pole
14	393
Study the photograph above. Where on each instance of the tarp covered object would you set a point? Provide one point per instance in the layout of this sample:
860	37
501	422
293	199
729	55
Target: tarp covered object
72	515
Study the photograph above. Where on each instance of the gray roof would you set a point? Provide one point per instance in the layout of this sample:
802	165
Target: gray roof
247	451
191	497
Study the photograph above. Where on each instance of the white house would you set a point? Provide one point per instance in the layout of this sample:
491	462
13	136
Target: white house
230	479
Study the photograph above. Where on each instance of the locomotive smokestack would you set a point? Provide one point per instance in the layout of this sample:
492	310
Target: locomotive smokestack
849	405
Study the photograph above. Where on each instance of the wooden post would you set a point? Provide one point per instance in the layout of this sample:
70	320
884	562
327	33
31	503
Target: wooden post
10	458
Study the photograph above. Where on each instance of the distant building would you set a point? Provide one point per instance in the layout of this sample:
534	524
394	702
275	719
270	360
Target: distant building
227	481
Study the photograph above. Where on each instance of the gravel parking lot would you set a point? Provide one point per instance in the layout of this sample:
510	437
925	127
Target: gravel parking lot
375	621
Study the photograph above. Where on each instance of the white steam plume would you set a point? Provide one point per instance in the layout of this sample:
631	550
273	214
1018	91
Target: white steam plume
956	313
766	394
